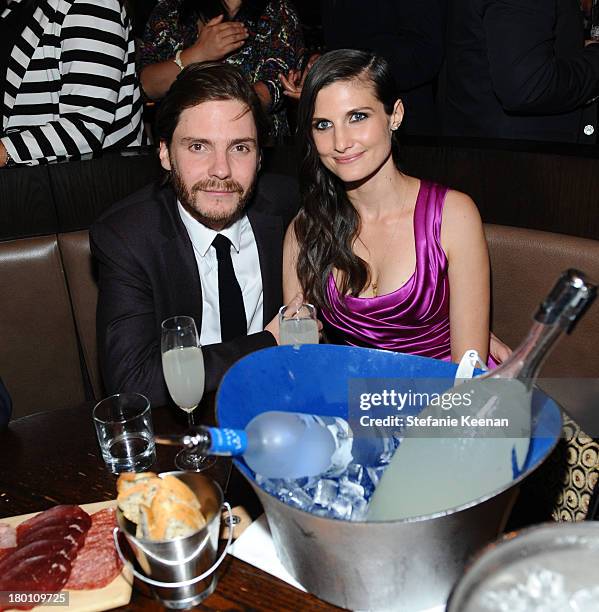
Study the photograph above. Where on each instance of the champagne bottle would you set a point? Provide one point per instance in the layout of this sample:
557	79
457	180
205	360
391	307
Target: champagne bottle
286	444
435	474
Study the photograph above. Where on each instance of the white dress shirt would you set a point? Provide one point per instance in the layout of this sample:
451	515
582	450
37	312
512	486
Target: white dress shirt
246	264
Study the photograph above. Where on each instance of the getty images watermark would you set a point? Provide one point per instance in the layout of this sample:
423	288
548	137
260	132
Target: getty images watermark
424	407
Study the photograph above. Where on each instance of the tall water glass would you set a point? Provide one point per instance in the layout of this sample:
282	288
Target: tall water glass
183	368
298	325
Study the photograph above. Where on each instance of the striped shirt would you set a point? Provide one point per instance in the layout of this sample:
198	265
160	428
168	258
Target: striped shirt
71	87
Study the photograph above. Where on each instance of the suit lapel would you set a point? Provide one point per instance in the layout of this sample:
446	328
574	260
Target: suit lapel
185	289
268	231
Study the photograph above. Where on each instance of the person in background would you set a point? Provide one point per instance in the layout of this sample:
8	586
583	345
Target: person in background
262	37
519	69
408	34
391	261
68	86
206	244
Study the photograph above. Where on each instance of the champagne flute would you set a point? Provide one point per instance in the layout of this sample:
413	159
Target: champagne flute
183	367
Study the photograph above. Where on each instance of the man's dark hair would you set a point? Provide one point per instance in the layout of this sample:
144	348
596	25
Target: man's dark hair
206	82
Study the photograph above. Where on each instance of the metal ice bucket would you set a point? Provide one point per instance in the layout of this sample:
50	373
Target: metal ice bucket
549	566
181	571
409	564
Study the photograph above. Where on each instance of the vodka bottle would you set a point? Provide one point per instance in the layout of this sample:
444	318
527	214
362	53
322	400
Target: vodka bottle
448	468
286	444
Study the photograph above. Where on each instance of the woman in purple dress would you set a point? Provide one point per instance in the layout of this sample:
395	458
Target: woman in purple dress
391	261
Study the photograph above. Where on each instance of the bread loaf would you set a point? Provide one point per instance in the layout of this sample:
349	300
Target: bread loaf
163	508
135	492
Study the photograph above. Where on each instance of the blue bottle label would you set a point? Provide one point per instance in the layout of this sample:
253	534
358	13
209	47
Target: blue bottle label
227	442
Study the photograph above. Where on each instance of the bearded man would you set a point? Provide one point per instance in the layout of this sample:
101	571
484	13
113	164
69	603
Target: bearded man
207	243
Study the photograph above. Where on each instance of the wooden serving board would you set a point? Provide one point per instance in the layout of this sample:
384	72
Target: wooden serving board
113	595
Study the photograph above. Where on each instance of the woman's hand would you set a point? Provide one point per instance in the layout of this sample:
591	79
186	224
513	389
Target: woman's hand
273	326
294	81
498	349
294	305
215	41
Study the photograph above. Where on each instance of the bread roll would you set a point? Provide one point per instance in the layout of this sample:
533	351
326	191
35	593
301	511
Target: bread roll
128	479
136	493
145	520
163	508
179	491
172	518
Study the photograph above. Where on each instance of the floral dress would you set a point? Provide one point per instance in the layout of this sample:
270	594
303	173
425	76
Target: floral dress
275	45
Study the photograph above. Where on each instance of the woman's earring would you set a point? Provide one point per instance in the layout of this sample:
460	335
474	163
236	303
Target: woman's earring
394	127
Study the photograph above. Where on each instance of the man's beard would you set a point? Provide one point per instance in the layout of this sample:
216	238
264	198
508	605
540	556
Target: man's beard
212	219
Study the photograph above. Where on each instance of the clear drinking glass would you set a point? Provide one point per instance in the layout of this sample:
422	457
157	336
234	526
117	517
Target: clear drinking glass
123	424
298	325
183	367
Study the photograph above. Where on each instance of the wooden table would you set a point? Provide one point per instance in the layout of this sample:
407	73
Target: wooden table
53	458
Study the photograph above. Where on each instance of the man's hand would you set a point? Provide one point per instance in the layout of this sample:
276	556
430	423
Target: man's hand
294	81
215	41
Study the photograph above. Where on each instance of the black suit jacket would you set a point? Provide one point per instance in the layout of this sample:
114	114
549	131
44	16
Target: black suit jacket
148	272
519	69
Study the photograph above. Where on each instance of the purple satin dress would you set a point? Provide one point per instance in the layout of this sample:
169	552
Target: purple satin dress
414	318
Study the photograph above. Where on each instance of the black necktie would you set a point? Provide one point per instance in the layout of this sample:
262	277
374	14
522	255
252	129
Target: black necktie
230	299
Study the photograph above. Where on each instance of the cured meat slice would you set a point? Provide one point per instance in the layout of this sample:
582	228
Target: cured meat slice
46	546
97	563
73	533
58	515
35	550
47	573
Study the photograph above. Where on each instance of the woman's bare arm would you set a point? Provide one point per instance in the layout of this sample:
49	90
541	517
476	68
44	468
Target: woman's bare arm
464	242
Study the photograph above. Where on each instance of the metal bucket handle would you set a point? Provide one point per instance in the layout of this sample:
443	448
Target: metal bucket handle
173	585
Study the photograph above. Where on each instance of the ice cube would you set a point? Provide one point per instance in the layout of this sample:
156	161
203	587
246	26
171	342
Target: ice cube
375	473
320	511
342	508
354	473
359	509
271	485
385	458
540	590
351	490
585	600
298	498
325	492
